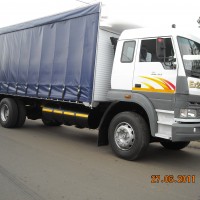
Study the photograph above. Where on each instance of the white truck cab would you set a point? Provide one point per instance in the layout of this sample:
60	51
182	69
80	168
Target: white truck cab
159	70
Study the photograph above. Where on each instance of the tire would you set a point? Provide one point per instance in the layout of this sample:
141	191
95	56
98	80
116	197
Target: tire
8	113
21	114
128	135
47	122
174	145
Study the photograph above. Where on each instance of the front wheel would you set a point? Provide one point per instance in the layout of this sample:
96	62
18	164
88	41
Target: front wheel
128	135
174	145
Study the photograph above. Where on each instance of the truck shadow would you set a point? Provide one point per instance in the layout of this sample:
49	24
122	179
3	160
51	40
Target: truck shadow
155	154
67	133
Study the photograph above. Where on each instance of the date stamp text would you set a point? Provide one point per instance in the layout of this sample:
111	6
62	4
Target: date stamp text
173	179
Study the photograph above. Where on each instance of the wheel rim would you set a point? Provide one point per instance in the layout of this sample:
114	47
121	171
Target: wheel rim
124	136
4	113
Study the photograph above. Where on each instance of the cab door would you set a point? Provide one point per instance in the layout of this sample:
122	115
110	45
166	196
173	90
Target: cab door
152	74
123	66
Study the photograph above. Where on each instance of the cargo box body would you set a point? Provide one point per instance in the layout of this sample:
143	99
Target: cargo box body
55	57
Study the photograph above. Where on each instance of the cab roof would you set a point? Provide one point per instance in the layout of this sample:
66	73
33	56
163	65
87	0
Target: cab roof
141	33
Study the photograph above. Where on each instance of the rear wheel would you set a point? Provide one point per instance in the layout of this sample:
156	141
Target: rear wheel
48	122
8	113
129	135
174	145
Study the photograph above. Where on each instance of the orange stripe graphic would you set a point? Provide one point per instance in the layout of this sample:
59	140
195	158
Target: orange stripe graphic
168	83
159	82
167	86
148	85
152	90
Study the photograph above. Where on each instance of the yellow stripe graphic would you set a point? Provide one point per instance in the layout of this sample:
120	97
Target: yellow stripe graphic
47	110
148	86
81	115
65	112
153	90
159	82
57	111
69	113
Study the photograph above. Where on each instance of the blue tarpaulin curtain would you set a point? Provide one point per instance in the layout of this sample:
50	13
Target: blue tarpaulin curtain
53	57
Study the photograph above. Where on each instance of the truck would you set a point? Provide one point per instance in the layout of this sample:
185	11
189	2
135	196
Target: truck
135	88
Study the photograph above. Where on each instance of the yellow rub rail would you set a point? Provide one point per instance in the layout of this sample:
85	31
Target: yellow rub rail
64	112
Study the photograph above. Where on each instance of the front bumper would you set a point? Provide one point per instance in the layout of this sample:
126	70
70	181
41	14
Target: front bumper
185	132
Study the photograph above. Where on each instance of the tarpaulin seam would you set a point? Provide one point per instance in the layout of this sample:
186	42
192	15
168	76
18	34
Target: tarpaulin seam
67	56
19	59
40	61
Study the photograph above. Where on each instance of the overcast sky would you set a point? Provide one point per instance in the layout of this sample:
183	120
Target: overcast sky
136	13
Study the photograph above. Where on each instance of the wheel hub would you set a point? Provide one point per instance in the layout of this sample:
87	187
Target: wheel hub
4	113
124	136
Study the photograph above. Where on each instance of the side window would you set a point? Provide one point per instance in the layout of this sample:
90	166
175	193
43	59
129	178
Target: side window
128	52
148	50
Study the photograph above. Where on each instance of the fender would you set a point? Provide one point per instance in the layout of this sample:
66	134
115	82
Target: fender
141	100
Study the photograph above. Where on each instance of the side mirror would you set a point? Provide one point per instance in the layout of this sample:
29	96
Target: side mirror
160	48
114	42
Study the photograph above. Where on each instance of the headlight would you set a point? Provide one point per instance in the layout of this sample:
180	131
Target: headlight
188	113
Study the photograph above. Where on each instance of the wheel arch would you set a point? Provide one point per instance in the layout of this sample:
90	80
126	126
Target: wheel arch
139	104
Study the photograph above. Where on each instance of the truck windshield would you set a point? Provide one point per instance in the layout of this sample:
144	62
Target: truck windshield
190	52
